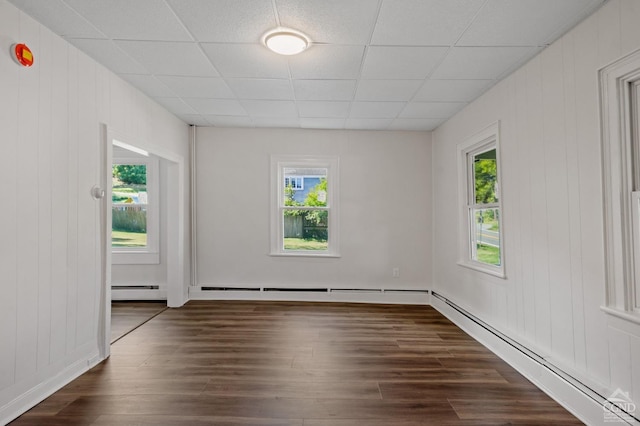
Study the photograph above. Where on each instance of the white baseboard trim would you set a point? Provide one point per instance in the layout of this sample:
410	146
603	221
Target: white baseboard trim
582	402
407	297
46	388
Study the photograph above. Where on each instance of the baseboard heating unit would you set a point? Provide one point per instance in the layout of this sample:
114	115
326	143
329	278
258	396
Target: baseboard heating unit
314	294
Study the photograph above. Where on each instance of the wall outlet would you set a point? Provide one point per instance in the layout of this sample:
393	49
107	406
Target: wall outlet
395	272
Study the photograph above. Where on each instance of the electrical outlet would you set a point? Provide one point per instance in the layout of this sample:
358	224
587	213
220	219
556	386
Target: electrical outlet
395	272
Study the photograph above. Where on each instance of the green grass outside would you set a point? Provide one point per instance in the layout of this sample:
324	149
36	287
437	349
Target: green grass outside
301	244
488	254
128	239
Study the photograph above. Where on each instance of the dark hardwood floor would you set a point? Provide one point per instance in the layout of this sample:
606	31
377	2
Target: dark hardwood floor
302	364
126	316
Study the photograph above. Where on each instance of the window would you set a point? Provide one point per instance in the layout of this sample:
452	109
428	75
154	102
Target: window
294	182
129	206
620	124
134	208
481	222
304	206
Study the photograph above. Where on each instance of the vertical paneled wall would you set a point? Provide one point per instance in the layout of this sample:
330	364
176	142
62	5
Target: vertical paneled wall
552	198
49	242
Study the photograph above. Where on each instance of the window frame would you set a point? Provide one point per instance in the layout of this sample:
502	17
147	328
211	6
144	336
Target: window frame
150	254
278	164
483	141
619	84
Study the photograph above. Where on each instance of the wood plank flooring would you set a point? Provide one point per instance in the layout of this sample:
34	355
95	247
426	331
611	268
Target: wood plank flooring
298	364
126	316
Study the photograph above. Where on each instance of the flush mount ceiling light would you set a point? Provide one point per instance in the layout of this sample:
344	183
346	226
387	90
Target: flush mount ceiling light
286	41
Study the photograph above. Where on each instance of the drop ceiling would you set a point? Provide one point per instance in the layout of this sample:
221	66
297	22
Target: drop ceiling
372	64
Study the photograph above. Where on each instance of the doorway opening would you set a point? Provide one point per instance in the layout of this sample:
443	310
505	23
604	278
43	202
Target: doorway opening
142	229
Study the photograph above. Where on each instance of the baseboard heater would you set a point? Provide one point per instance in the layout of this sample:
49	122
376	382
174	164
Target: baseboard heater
575	382
230	288
314	290
135	287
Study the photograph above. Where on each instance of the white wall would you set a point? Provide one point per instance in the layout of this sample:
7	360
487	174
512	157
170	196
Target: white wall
49	264
384	207
552	201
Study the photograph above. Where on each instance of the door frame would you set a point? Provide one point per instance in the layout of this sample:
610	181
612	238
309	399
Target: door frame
176	228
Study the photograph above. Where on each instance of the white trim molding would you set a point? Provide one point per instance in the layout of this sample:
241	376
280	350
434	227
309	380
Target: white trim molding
618	84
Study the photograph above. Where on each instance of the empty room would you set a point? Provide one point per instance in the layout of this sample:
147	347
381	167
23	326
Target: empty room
319	212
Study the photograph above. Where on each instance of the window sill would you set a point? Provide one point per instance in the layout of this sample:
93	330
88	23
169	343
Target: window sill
486	269
625	315
135	258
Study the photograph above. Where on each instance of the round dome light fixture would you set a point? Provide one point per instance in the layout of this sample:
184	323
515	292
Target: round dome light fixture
286	42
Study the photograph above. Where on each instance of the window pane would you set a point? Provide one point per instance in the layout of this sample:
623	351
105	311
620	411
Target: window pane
487	236
129	225
305	229
129	205
485	176
305	187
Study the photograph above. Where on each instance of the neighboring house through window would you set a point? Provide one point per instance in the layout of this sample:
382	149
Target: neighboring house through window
304	206
294	182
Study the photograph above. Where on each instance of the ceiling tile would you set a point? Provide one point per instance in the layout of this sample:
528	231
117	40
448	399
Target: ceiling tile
423	22
418	124
452	90
221	21
255	88
376	109
59	17
368	123
327	62
322	123
143	20
109	55
210	106
282	122
323	109
198	87
399	62
330	21
149	85
524	22
169	58
324	90
176	105
258	108
396	64
246	61
431	109
387	90
229	121
477	63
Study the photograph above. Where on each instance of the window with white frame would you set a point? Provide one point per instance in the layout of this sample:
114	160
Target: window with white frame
480	206
134	208
620	124
294	182
304	216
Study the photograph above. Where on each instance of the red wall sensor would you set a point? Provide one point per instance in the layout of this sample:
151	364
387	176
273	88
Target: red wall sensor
24	56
